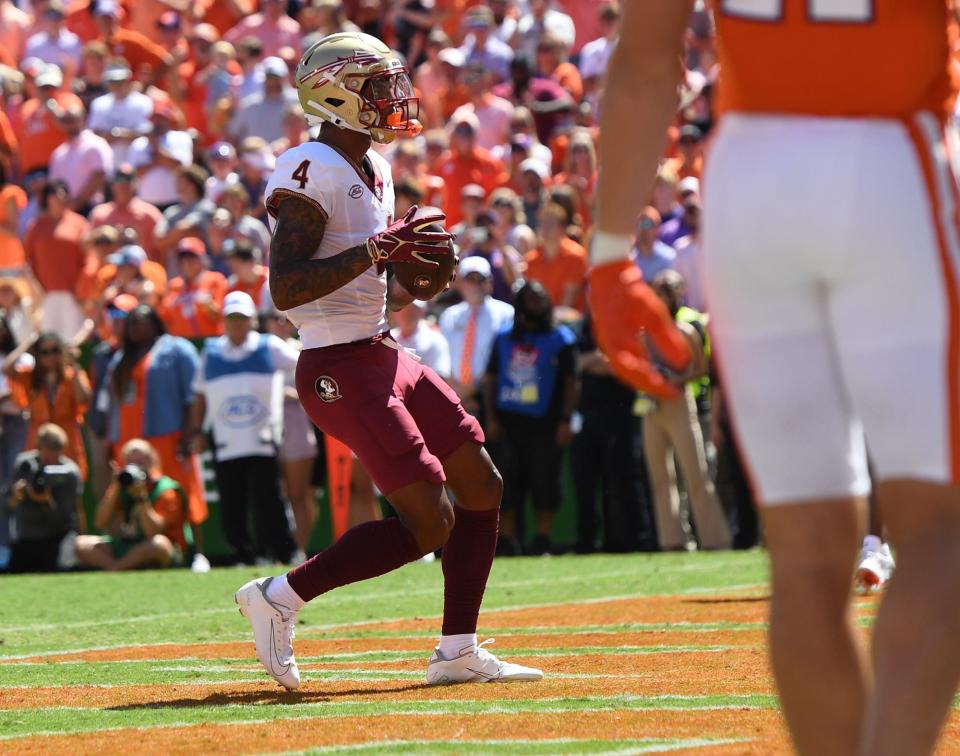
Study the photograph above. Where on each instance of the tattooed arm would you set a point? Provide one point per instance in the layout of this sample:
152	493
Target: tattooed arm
295	279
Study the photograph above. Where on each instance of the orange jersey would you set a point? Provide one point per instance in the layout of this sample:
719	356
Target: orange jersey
853	58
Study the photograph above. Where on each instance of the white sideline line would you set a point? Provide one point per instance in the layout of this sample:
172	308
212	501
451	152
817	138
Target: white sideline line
620	698
662	745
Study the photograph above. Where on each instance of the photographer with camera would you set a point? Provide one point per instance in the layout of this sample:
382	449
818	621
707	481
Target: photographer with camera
43	504
142	513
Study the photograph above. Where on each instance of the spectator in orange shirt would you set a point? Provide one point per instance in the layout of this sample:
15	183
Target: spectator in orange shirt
148	61
246	272
559	263
170	36
128	210
12	200
187	86
8	141
54	390
128	271
193	307
223	15
552	64
36	129
467	163
580	174
55	252
689	161
82	21
14	27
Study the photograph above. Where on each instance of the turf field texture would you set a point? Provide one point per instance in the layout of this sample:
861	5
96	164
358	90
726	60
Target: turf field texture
643	654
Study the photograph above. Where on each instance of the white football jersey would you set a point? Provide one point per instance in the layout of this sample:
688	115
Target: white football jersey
356	207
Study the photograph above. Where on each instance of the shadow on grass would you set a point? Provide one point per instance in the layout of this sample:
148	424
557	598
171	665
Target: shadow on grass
273	696
745	600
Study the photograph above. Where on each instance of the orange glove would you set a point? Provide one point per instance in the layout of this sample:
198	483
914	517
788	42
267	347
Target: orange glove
623	308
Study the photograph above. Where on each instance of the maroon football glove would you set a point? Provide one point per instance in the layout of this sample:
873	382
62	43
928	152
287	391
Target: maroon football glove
406	240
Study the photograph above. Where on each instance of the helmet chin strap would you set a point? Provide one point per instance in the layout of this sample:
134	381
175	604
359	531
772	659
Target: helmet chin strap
330	116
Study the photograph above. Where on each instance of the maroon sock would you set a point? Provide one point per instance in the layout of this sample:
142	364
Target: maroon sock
363	552
467	556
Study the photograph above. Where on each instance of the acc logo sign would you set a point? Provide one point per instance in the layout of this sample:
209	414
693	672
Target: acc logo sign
244	411
327	389
356	191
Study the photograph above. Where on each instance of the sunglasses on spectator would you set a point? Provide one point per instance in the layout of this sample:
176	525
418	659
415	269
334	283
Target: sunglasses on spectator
502	203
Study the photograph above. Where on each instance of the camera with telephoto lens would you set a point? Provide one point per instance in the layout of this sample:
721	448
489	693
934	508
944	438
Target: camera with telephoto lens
40	477
129	475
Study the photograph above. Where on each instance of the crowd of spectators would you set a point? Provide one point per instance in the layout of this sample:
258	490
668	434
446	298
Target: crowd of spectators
136	140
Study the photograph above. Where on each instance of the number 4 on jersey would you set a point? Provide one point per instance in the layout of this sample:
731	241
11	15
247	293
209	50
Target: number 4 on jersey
300	175
823	11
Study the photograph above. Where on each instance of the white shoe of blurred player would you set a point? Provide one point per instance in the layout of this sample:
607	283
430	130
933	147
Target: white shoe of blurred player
273	631
477	665
298	557
200	564
876	566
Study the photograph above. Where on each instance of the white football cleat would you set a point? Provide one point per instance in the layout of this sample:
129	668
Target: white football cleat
875	569
273	631
200	564
477	665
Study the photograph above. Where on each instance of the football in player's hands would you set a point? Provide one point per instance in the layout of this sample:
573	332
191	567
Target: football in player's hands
425	279
410	237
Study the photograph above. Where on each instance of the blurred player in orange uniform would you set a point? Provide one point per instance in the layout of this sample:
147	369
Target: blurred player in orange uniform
831	252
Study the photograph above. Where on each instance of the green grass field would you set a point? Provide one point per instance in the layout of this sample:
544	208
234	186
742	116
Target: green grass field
643	653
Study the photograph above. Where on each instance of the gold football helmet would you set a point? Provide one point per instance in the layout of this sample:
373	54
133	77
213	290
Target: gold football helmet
356	82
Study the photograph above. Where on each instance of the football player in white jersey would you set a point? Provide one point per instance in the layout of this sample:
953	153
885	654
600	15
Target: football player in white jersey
331	204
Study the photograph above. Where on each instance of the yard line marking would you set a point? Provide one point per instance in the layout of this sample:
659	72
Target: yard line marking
727	588
434	708
364	597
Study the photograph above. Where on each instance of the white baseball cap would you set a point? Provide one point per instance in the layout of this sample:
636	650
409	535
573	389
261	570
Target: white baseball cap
689	184
274	66
239	303
50	76
535	166
475	264
452	56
